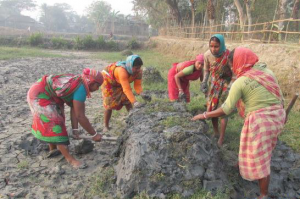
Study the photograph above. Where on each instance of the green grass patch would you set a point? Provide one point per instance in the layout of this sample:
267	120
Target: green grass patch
202	194
23	165
291	133
100	183
13	53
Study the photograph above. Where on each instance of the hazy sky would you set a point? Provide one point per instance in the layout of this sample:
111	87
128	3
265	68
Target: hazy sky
124	6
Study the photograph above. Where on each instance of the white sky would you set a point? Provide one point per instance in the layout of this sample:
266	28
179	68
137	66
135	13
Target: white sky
79	6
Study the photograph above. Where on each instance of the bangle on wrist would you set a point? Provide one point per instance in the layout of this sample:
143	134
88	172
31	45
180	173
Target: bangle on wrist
75	129
94	135
204	115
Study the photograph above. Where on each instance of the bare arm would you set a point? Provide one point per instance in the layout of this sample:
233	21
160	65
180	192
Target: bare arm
78	113
216	113
177	79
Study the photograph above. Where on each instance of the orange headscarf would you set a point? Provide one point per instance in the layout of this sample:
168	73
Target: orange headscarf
243	60
90	76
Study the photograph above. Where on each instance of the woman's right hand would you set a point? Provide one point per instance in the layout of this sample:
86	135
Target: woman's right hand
203	87
97	138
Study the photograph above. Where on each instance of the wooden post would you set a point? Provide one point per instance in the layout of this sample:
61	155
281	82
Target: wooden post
287	29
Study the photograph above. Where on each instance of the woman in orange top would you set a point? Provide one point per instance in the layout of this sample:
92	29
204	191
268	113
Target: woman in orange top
116	88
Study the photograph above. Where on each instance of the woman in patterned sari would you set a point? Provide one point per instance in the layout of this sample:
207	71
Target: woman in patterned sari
215	66
259	99
46	99
181	74
116	89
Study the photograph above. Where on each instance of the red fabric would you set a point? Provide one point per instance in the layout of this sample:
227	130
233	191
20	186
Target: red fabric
200	58
243	60
258	139
172	86
90	76
50	107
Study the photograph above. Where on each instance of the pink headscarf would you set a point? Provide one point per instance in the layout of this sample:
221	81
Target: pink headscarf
243	60
200	58
90	76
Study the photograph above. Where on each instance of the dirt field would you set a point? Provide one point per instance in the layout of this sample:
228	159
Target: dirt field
24	170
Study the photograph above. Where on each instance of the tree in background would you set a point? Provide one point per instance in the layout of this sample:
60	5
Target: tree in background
156	11
99	12
54	17
16	6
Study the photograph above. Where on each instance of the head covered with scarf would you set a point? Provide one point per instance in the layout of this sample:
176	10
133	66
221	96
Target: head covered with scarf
221	40
128	64
200	58
90	76
243	60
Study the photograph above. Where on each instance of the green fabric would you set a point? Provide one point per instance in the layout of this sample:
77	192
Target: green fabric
43	96
188	70
253	94
44	118
56	139
57	129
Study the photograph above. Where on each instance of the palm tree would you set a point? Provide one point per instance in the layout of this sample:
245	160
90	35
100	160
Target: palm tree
113	15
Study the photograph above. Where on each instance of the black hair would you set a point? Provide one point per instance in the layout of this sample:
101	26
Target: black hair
137	62
215	39
230	56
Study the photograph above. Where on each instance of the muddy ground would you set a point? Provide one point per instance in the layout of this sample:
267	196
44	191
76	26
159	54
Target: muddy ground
25	172
24	169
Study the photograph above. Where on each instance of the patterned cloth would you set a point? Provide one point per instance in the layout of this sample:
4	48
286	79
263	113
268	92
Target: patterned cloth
46	100
261	127
128	64
220	79
112	91
258	139
185	81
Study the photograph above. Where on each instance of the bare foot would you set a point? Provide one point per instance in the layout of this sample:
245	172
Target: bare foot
77	164
220	142
106	129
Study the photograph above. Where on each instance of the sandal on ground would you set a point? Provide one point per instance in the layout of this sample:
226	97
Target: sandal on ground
53	153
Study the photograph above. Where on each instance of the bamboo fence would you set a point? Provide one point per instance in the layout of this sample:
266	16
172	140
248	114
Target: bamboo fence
267	32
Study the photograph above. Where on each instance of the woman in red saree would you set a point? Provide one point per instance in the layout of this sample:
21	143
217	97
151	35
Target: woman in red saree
181	74
46	99
215	67
259	99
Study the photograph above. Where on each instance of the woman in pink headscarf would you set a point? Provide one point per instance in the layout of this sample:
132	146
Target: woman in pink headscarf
258	97
180	75
46	99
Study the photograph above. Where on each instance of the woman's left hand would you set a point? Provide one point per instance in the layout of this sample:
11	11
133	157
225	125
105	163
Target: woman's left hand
198	117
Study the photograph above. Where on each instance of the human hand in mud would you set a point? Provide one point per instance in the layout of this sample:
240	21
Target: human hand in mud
199	117
137	105
203	87
146	97
97	137
182	96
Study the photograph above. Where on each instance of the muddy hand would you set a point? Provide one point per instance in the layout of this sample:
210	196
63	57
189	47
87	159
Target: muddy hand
198	117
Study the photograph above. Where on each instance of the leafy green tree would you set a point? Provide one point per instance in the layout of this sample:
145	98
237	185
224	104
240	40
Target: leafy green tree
16	6
99	13
54	17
